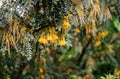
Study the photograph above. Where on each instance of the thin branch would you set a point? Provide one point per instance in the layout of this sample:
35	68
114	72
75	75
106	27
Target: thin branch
84	51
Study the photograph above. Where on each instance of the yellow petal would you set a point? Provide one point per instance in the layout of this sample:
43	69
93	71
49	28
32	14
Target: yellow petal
42	40
41	70
54	38
77	30
61	41
65	24
8	77
49	36
97	43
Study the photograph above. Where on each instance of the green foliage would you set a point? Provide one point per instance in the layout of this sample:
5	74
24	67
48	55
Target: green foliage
116	24
59	39
109	76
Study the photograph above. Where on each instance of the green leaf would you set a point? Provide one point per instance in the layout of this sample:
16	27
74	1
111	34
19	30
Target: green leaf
117	24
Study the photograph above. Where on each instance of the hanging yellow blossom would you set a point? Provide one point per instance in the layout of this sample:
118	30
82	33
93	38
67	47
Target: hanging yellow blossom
101	34
52	35
77	30
117	72
61	41
49	36
41	70
43	39
54	38
65	24
52	30
69	15
8	77
42	77
97	43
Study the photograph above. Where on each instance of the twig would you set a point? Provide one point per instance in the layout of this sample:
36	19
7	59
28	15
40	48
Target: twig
84	51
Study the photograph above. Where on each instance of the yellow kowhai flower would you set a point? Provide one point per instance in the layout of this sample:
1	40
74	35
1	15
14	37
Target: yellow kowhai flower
65	24
52	35
42	77
43	39
88	36
117	72
54	38
77	30
23	29
8	77
53	30
49	36
41	70
97	43
69	15
101	34
65	17
61	41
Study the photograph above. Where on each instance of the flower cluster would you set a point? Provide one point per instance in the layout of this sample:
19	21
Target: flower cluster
50	36
61	40
101	34
97	43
